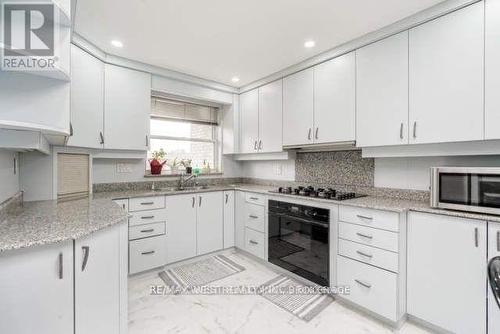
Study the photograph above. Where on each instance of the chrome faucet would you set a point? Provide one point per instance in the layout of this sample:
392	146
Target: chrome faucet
183	181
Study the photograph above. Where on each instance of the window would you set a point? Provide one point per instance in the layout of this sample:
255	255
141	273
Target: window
185	132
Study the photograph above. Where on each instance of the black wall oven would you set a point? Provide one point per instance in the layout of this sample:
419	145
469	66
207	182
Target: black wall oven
299	240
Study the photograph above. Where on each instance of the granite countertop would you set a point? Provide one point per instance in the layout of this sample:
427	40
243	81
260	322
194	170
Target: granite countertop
45	222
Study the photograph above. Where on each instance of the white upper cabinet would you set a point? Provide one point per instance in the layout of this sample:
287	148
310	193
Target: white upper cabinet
335	100
249	113
446	60
492	73
298	106
270	117
87	99
382	92
230	126
127	105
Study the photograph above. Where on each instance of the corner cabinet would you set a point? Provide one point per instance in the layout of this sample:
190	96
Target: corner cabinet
447	264
127	105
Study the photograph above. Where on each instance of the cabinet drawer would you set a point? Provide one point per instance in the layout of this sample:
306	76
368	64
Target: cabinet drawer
255	198
371	255
147	230
255	217
369	236
146	203
254	243
374	218
372	288
147	253
147	217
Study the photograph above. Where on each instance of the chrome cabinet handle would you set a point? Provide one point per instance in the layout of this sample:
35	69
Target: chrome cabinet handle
86	252
364	254
364	235
255	146
401	131
476	237
199	203
254	198
253	242
148	230
364	217
366	285
260	144
123	205
194	201
101	136
309	134
70	129
147	217
415	129
60	266
147	203
316	135
227	198
498	241
148	253
253	216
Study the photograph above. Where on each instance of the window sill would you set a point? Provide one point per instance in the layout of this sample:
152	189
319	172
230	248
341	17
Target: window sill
149	175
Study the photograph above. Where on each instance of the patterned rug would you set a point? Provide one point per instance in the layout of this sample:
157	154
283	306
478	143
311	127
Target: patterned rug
201	272
295	297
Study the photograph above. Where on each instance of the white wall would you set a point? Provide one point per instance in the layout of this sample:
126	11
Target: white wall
36	176
283	170
413	173
9	180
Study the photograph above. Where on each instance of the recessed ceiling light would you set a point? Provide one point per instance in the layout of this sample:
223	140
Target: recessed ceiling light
309	44
117	43
235	79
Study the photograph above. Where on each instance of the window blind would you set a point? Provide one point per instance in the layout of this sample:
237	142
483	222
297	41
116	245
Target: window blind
72	175
183	111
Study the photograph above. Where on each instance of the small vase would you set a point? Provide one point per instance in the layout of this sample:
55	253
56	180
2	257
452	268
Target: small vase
189	170
156	167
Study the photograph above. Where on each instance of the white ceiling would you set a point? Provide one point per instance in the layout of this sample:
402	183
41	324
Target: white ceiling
219	39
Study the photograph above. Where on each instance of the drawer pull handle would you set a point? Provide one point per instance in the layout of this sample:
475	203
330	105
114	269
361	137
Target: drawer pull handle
148	253
147	203
364	235
364	254
147	217
148	231
253	216
253	242
254	198
86	251
498	241
60	271
365	217
366	285
476	237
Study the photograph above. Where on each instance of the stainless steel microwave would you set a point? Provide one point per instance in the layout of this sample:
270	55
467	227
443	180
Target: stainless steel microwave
466	189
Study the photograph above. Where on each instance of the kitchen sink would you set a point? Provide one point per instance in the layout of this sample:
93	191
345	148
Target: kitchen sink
183	188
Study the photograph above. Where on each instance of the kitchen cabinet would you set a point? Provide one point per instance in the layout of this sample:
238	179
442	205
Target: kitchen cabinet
446	78
239	219
271	117
181	228
298	108
493	251
249	111
87	99
210	222
230	126
36	285
335	100
229	206
446	261
127	104
492	73
382	92
97	282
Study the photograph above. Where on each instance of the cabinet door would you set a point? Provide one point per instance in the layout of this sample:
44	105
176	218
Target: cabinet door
492	73
239	219
36	289
87	99
230	126
228	219
446	261
210	228
249	111
447	78
382	92
298	108
181	227
335	100
97	283
127	105
271	117
493	251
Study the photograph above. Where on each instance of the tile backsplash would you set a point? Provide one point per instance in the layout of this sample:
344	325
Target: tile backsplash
342	168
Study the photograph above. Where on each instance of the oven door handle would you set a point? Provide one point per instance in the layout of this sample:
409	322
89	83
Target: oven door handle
306	221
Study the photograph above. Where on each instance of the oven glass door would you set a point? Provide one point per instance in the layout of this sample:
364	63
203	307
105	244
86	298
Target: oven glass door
482	190
300	246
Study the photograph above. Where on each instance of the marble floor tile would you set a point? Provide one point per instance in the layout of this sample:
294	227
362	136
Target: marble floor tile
191	314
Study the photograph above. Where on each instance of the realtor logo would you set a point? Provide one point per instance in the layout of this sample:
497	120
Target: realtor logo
28	36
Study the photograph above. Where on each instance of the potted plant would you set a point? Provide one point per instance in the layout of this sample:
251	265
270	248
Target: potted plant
187	165
174	166
156	162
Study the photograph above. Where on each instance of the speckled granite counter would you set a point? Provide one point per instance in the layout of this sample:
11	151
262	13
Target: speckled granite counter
45	222
372	202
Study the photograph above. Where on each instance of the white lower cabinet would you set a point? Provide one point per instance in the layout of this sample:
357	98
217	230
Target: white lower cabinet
181	234
447	272
253	224
147	253
255	243
239	219
493	251
229	219
210	223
